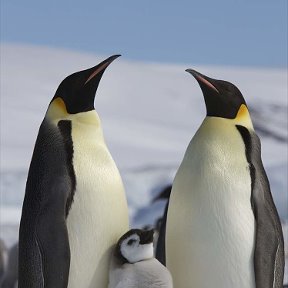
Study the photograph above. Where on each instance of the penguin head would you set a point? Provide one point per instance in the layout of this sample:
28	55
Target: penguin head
76	93
223	99
135	245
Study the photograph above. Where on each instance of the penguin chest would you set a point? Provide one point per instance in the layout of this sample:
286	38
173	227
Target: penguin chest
98	214
145	274
210	225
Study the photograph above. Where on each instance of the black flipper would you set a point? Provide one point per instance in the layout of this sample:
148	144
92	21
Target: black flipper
269	245
160	254
161	246
44	253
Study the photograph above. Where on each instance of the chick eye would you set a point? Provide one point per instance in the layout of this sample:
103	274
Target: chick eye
131	241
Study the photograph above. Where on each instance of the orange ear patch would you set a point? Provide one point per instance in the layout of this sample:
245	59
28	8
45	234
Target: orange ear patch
242	112
59	103
57	110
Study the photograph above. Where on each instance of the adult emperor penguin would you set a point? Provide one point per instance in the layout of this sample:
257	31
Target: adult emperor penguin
75	208
223	229
133	263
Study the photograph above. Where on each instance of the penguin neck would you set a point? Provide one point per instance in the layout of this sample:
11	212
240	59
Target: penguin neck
218	129
57	111
214	124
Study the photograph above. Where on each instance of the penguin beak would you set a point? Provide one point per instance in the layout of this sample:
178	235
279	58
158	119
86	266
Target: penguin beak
147	237
204	81
100	68
210	92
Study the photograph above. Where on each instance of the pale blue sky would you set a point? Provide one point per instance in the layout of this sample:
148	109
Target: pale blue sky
235	32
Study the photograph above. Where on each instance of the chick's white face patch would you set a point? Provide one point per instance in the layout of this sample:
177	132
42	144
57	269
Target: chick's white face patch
133	251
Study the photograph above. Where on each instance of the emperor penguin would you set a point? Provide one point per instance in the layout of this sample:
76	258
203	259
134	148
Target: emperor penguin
75	207
223	229
133	263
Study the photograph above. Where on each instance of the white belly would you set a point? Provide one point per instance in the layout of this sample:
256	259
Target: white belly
210	225
98	215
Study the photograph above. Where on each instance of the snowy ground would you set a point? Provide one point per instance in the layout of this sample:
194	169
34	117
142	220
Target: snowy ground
149	114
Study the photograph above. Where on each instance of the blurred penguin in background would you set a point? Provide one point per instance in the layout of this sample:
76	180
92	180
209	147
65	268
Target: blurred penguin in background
3	255
10	277
160	224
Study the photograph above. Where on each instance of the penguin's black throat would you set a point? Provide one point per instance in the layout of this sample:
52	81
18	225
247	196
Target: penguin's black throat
78	89
222	98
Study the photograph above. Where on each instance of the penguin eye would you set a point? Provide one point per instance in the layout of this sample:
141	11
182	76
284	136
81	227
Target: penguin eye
131	241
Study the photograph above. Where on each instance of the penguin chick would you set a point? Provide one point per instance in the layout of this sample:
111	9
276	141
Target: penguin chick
134	265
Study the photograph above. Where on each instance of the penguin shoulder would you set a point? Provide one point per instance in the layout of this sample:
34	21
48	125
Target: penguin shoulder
57	111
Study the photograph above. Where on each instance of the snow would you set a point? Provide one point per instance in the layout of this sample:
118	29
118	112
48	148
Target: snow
149	114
